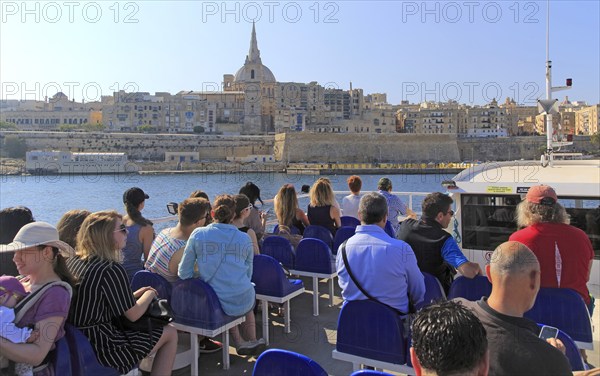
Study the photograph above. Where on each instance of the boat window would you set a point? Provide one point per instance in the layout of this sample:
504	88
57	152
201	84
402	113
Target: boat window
487	220
584	213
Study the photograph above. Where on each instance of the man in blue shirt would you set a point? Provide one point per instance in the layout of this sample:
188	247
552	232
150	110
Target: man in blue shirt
436	250
396	207
385	267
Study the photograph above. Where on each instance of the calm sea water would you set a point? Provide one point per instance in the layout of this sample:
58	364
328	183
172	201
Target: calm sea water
50	196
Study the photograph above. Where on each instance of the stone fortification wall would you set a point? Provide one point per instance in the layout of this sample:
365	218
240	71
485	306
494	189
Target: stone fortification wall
364	148
506	149
148	146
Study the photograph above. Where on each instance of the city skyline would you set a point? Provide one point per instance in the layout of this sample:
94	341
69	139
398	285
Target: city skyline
416	51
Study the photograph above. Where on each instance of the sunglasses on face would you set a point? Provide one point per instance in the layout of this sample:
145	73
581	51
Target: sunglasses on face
122	229
451	212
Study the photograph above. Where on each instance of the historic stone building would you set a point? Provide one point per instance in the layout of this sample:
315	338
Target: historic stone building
258	84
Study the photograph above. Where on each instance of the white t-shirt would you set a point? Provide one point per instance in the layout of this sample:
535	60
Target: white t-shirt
350	205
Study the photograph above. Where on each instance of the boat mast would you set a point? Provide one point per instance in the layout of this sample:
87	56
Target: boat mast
549	106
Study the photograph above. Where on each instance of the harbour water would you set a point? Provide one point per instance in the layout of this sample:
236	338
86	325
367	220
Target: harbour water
52	195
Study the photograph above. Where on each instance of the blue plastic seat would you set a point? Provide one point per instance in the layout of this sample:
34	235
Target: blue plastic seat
83	357
319	232
280	249
349	221
470	289
372	334
271	285
61	358
276	362
434	292
389	229
197	310
565	310
572	352
370	372
293	230
314	259
342	234
145	278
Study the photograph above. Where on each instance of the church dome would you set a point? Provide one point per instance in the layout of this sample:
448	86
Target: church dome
253	69
261	73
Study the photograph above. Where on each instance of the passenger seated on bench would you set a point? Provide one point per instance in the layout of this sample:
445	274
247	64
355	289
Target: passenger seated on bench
386	268
40	256
224	257
323	209
515	348
448	339
350	203
69	224
242	211
104	294
287	211
565	252
167	248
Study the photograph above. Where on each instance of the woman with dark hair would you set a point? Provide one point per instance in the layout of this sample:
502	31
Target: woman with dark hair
69	224
257	220
11	221
287	211
224	257
242	211
104	294
40	256
140	232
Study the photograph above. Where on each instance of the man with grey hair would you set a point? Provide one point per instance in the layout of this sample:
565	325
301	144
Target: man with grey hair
515	348
384	267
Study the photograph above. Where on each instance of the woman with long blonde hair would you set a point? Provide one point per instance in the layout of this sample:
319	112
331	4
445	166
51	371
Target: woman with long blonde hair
287	211
322	210
104	294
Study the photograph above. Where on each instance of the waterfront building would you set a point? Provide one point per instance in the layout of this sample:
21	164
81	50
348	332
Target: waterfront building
51	114
519	119
486	121
587	120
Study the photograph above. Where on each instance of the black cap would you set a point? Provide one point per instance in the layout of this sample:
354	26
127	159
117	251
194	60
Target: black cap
252	191
134	196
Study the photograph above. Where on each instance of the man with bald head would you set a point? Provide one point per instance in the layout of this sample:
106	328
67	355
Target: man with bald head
514	345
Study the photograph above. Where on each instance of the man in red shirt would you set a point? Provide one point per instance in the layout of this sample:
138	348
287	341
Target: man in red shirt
565	252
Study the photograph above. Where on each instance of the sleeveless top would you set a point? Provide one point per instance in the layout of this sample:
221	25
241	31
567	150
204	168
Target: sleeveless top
161	252
133	251
320	216
244	229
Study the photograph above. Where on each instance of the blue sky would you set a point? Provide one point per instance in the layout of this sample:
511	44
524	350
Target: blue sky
470	51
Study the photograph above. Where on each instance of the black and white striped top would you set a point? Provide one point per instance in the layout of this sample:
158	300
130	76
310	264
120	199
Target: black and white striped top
103	293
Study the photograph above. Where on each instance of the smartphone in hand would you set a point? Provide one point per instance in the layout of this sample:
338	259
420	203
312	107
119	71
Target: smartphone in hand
548	332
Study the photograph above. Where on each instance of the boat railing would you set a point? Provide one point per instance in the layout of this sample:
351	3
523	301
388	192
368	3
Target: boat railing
273	221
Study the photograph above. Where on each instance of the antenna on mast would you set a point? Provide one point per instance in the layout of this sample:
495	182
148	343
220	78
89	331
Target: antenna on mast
549	106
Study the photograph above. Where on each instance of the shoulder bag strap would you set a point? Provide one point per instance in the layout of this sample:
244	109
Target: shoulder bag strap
365	293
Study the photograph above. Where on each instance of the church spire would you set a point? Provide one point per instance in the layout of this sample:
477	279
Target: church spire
254	53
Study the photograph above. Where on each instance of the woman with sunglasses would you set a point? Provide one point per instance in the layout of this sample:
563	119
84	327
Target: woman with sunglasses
224	256
243	208
140	231
40	256
104	294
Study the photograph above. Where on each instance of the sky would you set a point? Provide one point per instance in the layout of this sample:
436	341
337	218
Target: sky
469	51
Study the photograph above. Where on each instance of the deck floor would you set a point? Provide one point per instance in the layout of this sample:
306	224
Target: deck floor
315	337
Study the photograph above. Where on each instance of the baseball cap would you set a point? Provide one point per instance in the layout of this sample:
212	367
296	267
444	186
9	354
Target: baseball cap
541	194
134	196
